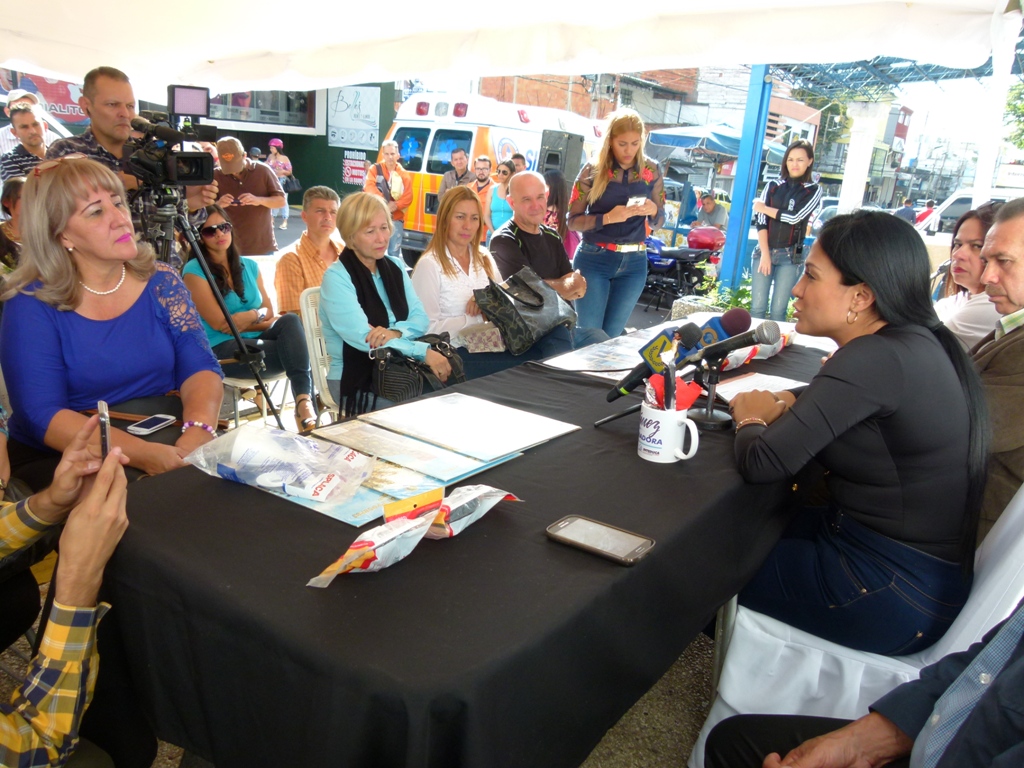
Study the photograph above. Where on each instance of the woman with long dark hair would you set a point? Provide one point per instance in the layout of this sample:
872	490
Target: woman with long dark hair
497	210
240	283
558	210
965	309
897	419
781	220
612	202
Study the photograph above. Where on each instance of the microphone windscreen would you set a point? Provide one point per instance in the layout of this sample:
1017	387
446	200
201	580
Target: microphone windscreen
735	321
768	332
689	335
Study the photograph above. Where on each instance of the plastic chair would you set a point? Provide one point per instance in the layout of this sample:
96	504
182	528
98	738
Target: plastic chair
773	668
237	384
319	360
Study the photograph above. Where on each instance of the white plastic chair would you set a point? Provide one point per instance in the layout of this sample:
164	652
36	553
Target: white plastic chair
236	384
319	360
773	668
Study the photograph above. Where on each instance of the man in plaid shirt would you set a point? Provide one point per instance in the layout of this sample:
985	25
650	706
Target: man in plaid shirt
39	726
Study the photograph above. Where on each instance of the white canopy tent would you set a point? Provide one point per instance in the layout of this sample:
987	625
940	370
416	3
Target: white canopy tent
233	45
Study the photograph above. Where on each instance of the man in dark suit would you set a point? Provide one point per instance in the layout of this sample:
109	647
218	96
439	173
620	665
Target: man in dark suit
964	711
1000	359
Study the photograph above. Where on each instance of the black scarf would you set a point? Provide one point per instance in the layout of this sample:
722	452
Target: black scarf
357	368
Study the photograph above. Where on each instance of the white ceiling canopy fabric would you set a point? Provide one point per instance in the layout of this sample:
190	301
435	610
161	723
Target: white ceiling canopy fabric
232	45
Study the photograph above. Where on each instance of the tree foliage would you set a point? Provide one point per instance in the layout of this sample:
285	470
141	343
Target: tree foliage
1015	114
829	129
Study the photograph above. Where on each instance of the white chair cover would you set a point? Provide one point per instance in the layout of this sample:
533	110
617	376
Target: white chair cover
319	360
773	668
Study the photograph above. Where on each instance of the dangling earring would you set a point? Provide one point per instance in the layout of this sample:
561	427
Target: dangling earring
855	316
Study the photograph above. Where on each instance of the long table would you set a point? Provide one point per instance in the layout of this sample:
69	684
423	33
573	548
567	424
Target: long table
496	648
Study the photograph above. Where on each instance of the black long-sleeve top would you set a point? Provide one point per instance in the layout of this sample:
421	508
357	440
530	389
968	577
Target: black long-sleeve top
795	201
886	418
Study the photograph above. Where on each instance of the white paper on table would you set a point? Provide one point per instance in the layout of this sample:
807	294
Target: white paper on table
748	382
470	425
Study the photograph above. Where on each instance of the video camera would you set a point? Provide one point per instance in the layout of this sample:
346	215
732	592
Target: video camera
152	160
161	170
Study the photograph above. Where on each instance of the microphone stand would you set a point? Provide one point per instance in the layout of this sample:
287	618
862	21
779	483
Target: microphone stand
246	355
709	418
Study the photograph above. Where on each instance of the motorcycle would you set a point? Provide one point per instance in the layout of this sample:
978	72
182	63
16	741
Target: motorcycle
676	272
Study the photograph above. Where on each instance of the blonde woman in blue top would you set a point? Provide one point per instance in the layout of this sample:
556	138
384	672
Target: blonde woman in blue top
612	203
366	302
239	282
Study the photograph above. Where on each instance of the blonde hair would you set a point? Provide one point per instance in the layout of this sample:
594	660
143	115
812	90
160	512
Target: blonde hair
621	121
50	198
357	211
438	243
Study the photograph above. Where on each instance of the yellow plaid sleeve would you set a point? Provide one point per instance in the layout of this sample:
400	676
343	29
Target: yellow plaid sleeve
39	727
18	527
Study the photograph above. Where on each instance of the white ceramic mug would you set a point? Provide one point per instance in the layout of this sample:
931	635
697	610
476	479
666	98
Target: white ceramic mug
663	435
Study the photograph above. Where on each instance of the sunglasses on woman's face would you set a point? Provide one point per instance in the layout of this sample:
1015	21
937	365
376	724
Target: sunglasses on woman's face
213	230
503	172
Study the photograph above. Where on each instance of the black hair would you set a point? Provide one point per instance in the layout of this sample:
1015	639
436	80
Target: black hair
558	198
220	274
889	256
807	147
11	192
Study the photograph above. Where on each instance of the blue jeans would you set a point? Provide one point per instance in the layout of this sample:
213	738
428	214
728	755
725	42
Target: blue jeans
614	284
395	243
284	351
784	275
283	211
842	581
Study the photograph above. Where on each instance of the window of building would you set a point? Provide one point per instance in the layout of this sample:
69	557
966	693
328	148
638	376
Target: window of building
267	107
626	97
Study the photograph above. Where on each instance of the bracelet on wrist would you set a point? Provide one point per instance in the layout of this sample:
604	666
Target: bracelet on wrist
189	424
748	421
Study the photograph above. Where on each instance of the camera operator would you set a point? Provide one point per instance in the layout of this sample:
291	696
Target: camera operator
107	98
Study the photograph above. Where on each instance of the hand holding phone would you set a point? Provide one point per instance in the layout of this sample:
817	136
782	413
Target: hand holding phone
635	201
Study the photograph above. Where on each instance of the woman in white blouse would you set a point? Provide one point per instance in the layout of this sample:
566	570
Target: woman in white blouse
453	265
966	310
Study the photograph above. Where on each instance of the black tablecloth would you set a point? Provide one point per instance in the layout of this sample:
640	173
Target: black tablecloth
495	648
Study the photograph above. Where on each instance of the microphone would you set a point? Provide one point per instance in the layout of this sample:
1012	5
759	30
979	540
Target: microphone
766	333
651	352
717	329
162	132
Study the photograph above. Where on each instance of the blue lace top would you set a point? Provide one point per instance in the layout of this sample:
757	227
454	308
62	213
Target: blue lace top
54	360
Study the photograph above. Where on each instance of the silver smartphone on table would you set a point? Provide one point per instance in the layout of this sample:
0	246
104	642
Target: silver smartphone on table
617	544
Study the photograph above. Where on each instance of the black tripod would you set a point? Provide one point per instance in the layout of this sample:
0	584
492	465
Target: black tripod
250	356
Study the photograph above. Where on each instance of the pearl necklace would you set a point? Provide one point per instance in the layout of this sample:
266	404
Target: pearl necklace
124	271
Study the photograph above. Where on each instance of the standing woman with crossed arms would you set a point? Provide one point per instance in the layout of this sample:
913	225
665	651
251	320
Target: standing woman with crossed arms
781	217
612	202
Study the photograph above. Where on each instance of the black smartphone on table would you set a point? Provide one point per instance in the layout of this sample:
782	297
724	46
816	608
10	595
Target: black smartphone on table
617	544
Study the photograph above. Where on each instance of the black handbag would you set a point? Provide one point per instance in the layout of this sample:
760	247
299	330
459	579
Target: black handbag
398	378
291	184
525	309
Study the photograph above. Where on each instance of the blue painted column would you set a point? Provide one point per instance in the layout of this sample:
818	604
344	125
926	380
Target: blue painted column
748	165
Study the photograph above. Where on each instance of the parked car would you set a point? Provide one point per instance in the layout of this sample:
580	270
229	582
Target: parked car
818	221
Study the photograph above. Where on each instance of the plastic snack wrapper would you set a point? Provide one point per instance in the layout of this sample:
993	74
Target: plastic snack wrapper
756	352
310	472
464	507
408	521
377	548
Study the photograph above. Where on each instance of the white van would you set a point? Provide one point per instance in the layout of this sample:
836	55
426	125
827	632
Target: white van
959	203
429	126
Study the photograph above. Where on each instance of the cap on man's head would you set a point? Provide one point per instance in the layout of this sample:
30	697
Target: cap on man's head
231	154
20	93
275	143
255	152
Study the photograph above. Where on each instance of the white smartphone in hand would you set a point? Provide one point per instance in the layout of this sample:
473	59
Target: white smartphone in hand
101	409
635	201
150	425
